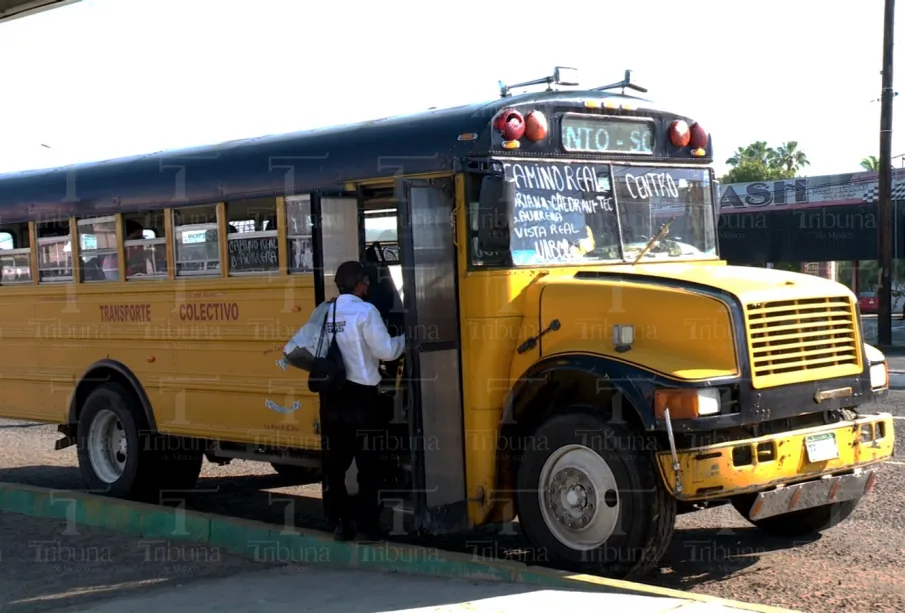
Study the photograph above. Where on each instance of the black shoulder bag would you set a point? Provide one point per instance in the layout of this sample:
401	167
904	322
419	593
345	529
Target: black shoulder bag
328	374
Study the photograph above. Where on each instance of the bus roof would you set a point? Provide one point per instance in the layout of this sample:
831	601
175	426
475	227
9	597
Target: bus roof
322	159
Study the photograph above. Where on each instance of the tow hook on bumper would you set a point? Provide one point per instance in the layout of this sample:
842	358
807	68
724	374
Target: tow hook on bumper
672	449
826	490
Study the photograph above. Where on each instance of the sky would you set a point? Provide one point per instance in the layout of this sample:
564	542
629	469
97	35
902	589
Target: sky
101	79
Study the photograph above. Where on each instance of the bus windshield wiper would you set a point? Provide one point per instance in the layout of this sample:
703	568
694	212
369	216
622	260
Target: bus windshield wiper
663	231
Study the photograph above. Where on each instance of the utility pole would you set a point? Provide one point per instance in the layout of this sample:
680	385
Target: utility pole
884	203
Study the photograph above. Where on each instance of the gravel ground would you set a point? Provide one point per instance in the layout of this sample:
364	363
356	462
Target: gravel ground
856	566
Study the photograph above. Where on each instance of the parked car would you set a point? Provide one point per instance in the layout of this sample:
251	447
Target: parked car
868	302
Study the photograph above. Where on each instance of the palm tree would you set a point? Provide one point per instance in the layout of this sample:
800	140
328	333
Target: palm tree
871	163
788	156
737	157
755	151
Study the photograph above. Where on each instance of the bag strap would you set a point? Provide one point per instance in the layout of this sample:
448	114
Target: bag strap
320	341
333	340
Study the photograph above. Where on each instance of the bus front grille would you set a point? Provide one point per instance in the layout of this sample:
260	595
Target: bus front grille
803	339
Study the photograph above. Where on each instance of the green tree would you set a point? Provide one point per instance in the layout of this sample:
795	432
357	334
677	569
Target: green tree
760	162
789	157
755	151
870	163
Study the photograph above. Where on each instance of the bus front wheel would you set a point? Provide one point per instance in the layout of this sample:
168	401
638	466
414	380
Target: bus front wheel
590	498
119	456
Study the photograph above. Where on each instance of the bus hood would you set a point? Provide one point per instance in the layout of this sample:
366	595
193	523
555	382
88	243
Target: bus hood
748	284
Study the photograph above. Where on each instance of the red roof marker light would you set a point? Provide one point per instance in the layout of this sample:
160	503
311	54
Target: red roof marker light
510	124
535	126
699	136
679	135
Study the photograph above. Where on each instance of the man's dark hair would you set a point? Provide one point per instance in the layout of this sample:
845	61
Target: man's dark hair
348	275
132	227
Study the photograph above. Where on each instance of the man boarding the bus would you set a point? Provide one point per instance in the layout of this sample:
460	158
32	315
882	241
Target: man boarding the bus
350	418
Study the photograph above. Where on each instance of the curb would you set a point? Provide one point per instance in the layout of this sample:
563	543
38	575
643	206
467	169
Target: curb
267	542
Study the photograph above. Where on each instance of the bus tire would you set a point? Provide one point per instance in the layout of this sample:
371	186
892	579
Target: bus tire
180	460
806	522
582	459
116	451
293	474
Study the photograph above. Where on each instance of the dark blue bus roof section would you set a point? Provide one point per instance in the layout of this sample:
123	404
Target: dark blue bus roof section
323	159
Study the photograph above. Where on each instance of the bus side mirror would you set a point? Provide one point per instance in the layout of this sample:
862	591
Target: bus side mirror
495	208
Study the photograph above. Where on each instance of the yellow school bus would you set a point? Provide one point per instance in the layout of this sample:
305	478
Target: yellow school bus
578	355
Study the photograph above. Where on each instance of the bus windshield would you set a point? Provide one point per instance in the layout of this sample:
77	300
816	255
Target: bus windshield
649	197
571	213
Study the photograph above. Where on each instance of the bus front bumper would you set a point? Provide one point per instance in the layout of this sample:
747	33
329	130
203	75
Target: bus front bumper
827	489
753	465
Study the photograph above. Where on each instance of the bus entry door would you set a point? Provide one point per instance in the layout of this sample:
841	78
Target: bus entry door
432	376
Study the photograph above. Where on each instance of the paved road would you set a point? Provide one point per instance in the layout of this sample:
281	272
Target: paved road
869	325
856	566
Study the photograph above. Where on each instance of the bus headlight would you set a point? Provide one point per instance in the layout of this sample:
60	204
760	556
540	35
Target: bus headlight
879	376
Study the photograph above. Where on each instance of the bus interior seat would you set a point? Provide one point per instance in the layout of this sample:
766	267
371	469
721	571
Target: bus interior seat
92	270
371	255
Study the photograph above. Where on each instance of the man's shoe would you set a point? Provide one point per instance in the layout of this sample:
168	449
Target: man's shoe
343	533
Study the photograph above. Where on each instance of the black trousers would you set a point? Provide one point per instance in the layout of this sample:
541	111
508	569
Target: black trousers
351	428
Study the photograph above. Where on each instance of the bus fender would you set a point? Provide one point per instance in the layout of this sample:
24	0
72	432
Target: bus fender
588	380
594	383
104	371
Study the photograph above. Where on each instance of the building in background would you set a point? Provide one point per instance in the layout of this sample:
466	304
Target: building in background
824	225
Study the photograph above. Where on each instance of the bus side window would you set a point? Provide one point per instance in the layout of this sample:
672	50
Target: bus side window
15	254
299	229
252	239
145	242
97	249
197	238
54	251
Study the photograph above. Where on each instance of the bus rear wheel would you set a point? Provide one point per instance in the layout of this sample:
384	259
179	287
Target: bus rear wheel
590	498
120	457
806	522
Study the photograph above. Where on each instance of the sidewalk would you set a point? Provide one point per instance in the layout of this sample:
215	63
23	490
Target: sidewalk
50	566
68	551
318	590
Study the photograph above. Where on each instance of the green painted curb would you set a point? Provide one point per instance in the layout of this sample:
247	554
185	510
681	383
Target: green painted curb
265	542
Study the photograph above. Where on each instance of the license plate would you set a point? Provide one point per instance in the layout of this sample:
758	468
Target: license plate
821	447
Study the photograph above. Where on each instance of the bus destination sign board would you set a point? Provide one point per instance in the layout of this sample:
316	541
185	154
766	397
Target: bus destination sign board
594	134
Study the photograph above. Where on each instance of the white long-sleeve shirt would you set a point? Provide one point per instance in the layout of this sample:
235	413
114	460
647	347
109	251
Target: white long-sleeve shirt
362	338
